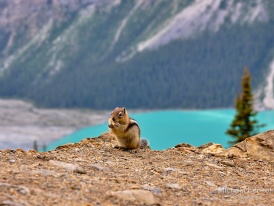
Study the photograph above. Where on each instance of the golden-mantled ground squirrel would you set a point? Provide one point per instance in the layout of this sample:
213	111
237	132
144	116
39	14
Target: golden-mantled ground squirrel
126	130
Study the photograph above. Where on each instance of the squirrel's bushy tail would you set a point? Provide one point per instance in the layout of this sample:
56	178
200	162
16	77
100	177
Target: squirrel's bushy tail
143	143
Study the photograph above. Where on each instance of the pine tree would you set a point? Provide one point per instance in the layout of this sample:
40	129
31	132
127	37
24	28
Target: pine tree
35	145
244	124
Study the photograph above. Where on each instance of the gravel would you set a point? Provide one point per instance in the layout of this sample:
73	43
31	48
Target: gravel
98	174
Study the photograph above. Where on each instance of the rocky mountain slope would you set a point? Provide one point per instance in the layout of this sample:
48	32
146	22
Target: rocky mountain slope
140	54
92	172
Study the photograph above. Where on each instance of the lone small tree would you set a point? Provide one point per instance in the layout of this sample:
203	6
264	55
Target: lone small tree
244	124
35	145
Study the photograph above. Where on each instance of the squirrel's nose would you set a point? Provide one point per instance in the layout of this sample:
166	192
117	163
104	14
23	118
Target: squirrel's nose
113	119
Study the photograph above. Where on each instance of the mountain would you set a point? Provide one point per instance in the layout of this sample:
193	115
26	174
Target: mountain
139	54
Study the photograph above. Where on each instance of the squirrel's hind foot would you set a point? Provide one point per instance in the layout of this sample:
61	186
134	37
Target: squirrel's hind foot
133	151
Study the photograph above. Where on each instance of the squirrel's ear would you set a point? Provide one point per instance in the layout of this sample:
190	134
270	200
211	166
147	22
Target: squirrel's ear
124	110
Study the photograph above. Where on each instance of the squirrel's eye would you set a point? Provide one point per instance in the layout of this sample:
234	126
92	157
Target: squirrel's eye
120	114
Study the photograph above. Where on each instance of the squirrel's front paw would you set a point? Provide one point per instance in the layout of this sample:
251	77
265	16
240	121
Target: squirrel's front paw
110	126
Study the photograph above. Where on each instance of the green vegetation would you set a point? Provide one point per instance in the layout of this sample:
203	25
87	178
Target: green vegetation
244	124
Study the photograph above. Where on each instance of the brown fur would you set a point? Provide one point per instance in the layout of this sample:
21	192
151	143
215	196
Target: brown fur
125	129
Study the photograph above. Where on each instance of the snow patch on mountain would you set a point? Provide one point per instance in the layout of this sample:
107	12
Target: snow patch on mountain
123	25
202	15
67	38
35	42
268	90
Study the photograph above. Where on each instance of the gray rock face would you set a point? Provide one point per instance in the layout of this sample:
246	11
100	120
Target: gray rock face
15	20
260	147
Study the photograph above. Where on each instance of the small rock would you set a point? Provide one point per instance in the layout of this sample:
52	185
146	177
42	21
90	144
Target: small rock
98	167
18	150
23	190
76	149
189	163
80	160
174	186
184	172
10	151
85	141
210	183
183	145
213	165
8	202
80	170
135	195
212	148
169	169
201	156
64	146
240	162
155	190
48	173
205	145
228	163
43	157
222	173
186	148
11	160
68	166
31	152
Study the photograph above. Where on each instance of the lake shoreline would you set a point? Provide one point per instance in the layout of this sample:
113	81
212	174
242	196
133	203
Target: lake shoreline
22	123
166	128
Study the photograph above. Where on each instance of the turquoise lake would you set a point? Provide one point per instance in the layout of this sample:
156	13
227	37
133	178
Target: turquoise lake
165	129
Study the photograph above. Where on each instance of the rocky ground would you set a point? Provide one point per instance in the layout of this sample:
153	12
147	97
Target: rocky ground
92	172
21	123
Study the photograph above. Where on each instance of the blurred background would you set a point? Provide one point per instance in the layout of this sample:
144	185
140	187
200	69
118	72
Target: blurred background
89	56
